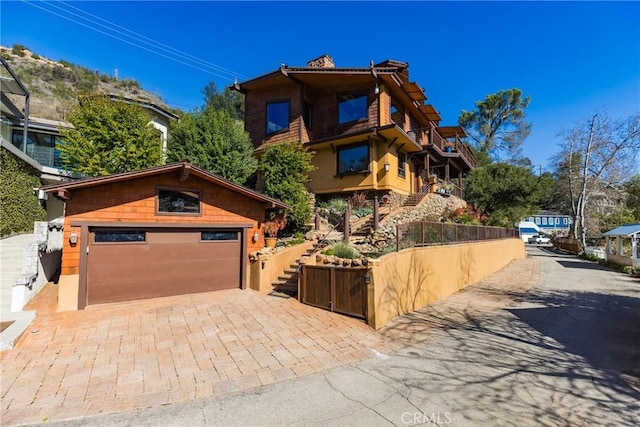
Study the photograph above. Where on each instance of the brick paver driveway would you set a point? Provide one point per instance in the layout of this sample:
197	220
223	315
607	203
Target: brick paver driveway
119	357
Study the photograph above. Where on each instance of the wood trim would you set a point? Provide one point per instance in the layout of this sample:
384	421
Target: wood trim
244	257
83	223
82	276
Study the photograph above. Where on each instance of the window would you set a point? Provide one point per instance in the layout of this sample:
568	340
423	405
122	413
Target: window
402	159
119	236
353	159
537	220
178	201
351	108
397	114
277	116
218	235
40	146
544	221
557	221
306	116
564	220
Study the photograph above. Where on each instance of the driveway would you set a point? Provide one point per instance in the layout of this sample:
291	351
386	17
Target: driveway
549	340
500	353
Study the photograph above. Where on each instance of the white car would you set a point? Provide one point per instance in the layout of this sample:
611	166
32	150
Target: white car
538	239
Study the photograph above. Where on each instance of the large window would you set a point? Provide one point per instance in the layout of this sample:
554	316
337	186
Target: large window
277	116
351	108
178	201
40	146
353	159
402	160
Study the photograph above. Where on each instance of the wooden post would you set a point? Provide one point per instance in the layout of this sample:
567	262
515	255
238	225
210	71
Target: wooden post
376	213
317	222
347	216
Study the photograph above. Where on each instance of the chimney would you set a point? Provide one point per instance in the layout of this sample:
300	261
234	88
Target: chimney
324	61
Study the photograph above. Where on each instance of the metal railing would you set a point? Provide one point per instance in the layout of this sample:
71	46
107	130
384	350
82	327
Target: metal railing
424	233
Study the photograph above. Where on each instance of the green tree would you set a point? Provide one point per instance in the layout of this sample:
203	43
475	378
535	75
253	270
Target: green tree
215	141
228	100
497	126
632	188
109	137
506	193
285	169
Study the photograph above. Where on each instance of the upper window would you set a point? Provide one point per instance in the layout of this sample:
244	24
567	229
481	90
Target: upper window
178	201
537	220
40	147
402	159
307	116
353	159
397	114
277	116
351	108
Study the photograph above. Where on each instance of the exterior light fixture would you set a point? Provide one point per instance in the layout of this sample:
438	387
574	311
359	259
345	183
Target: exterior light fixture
387	167
377	89
255	237
73	238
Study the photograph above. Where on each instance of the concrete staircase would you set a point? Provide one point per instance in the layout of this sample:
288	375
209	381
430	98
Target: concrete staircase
287	282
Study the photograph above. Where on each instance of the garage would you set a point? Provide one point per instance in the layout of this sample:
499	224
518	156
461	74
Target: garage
131	264
163	231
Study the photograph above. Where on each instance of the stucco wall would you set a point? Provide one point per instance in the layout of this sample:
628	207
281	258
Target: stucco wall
263	273
413	278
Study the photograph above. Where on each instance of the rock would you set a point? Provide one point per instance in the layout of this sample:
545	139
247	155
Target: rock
356	263
320	258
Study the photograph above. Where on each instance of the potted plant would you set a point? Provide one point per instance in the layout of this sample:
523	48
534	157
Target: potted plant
272	228
445	188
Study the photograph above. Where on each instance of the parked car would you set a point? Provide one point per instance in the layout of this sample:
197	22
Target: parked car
539	240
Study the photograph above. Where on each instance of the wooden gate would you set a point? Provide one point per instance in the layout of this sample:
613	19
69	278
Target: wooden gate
339	289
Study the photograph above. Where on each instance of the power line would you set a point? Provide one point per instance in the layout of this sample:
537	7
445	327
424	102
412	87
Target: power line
128	41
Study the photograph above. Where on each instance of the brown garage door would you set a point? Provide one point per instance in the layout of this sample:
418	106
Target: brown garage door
135	264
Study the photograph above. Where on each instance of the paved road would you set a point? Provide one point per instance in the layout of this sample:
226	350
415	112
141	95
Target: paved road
505	352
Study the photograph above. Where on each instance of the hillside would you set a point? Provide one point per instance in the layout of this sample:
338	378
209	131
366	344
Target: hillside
54	85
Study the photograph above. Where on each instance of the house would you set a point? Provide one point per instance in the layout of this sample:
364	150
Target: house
165	230
370	128
548	222
625	249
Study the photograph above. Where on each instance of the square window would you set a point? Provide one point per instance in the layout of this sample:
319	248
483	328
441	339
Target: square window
178	201
351	108
402	159
353	159
277	116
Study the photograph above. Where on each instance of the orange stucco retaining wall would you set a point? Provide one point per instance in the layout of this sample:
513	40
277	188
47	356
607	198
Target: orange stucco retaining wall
413	278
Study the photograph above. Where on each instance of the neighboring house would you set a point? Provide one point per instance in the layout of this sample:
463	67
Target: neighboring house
369	127
166	230
606	201
549	222
622	245
527	230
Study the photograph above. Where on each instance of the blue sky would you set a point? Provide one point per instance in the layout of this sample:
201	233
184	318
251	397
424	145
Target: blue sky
571	58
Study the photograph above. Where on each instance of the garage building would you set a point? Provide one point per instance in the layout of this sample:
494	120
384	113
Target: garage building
167	230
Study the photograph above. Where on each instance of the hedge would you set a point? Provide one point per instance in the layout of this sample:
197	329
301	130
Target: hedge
19	206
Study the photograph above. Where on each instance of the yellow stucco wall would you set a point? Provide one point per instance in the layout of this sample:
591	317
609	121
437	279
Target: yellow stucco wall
323	179
413	278
262	273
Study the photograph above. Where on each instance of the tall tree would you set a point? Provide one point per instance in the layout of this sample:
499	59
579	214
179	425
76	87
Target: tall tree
213	140
506	193
109	137
497	125
608	150
285	169
632	189
228	100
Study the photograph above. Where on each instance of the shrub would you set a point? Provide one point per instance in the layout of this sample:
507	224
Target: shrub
35	56
345	250
363	211
19	206
18	49
336	205
359	200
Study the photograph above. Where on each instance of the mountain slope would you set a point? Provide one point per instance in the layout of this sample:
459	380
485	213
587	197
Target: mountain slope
55	85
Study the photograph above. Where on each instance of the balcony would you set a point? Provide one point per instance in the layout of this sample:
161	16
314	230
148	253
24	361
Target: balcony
451	144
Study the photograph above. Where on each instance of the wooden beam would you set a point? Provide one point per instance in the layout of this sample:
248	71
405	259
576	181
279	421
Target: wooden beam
183	172
63	194
392	141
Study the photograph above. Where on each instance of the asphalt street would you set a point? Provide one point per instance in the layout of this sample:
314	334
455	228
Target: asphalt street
561	350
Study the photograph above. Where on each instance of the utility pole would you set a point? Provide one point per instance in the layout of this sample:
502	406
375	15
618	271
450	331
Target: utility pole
115	74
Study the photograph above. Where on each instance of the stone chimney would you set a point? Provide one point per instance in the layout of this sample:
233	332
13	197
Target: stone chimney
324	61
